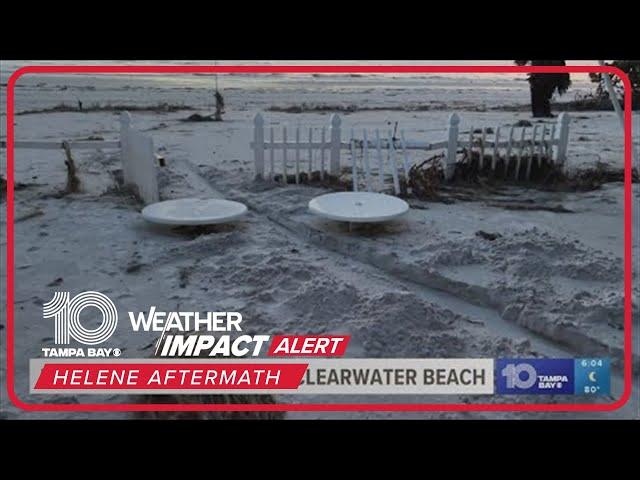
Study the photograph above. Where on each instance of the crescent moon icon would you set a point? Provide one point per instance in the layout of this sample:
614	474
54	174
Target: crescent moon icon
592	376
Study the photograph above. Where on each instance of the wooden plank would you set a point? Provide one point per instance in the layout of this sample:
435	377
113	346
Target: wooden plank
520	149
372	145
365	158
334	152
496	149
452	145
292	145
508	152
272	172
298	154
534	140
310	147
284	154
322	150
541	144
410	144
394	166
380	161
405	156
550	143
483	139
354	167
75	145
530	148
258	140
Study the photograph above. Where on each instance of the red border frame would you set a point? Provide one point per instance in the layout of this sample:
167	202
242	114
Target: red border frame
133	69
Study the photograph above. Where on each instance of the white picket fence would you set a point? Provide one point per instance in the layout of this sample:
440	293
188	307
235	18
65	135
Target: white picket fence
137	153
379	157
139	163
323	149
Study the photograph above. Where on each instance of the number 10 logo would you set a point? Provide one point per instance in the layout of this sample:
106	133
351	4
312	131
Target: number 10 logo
66	314
514	372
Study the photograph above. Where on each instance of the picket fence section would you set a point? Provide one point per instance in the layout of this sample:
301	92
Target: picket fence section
138	161
137	153
380	156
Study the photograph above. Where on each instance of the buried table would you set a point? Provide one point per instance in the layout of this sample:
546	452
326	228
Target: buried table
194	211
358	207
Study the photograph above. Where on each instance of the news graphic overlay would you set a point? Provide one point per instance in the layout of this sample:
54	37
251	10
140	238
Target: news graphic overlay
553	376
209	352
534	376
592	376
66	312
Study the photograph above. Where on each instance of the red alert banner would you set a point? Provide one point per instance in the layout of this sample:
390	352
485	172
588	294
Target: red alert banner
164	376
308	345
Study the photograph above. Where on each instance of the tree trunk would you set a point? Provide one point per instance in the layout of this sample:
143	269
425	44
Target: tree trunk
537	101
541	94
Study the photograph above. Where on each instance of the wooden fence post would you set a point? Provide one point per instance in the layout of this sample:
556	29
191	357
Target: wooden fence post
334	132
452	145
272	171
354	165
298	154
322	150
380	161
138	161
125	125
365	158
507	155
563	138
284	154
393	164
496	141
258	144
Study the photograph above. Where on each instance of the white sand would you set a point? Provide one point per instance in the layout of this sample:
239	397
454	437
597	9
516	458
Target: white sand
425	286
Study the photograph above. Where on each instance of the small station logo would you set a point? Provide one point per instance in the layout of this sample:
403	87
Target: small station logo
65	311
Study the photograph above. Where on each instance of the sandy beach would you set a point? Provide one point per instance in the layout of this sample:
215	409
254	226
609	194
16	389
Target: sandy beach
550	284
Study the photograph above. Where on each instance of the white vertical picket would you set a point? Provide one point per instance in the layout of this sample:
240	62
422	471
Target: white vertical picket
380	161
127	167
310	151
405	156
322	150
507	155
452	144
394	166
552	137
298	154
354	156
365	157
530	148
541	144
483	139
138	160
496	140
334	156
272	173
258	144
534	141
284	154
520	150
354	166
563	137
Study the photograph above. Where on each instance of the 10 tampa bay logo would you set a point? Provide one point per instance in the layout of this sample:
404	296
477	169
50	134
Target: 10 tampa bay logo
65	312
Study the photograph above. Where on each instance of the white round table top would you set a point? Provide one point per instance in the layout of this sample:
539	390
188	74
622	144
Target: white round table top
194	211
358	207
